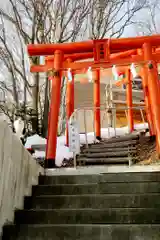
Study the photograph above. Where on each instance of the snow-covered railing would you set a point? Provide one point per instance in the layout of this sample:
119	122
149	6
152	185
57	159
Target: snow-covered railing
18	172
110	126
111	131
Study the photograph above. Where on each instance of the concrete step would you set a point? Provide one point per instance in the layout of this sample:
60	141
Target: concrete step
99	178
103	160
95	188
94	201
129	210
89	216
122	138
82	232
112	145
50	180
107	154
104	150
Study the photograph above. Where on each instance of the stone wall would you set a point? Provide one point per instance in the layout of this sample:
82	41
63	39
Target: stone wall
18	172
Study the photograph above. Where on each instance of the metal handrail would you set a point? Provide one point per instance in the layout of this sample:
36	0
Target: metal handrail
106	108
74	117
103	108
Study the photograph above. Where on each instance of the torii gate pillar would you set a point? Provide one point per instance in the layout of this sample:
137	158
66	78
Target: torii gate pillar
97	116
154	90
129	101
69	103
147	101
54	111
144	76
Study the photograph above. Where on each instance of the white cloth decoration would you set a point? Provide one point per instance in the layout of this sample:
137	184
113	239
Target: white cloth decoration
69	75
115	73
89	73
133	70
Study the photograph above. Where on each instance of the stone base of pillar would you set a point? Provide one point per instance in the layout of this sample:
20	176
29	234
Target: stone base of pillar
50	163
98	138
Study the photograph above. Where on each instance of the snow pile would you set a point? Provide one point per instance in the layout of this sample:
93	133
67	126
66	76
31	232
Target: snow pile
141	126
110	132
63	151
19	126
35	139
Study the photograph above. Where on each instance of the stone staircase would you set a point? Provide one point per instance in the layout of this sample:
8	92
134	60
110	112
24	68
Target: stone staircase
110	206
116	150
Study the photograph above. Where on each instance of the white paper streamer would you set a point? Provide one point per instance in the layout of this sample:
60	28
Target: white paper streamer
115	73
133	70
89	73
69	75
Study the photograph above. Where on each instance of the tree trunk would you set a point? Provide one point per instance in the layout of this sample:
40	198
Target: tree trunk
62	115
35	93
46	109
25	105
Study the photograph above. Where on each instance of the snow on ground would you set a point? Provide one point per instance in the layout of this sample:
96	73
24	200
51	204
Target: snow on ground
63	151
35	139
19	126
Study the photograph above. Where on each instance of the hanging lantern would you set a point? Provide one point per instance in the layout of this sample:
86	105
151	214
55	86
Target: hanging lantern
89	74
133	70
69	75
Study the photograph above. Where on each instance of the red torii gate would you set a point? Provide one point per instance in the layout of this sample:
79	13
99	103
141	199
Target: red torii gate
101	51
49	63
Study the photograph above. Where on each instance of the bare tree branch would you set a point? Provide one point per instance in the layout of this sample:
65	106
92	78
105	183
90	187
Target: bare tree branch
149	24
50	21
110	18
